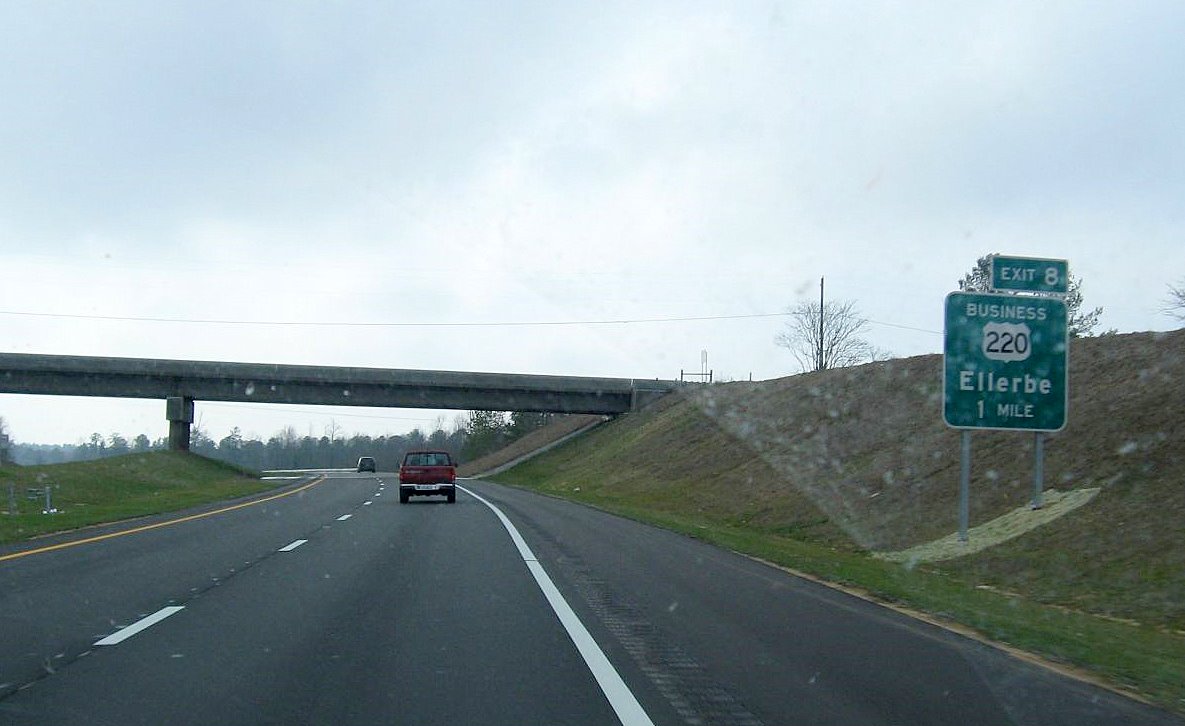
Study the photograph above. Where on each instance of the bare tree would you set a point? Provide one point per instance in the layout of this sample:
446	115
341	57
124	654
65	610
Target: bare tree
332	430
1175	305
836	343
1080	323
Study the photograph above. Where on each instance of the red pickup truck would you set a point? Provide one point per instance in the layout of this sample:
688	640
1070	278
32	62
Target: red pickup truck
425	473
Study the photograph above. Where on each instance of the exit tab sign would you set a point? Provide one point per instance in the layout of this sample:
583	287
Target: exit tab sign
1030	274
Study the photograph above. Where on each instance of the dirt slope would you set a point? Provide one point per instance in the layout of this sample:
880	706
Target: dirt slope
869	446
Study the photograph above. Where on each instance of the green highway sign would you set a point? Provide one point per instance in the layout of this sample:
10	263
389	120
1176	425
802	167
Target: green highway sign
1030	274
1005	364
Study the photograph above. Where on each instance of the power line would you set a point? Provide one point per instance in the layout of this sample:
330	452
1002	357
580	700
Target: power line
352	324
903	327
355	324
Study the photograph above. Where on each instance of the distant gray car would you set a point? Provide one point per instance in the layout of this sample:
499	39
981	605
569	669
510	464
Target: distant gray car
366	463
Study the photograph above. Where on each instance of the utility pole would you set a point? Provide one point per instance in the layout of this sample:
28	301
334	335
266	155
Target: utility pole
822	362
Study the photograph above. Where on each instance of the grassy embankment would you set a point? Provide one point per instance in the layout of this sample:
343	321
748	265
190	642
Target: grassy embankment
562	426
816	472
123	487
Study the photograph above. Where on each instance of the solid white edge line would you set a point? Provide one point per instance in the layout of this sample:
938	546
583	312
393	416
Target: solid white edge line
344	517
620	697
123	634
292	545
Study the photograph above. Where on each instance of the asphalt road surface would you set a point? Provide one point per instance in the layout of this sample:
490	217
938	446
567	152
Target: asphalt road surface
334	604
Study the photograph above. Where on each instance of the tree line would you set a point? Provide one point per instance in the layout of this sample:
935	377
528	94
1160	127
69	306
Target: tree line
480	433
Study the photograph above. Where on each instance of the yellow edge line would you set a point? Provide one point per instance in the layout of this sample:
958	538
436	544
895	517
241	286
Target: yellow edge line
145	528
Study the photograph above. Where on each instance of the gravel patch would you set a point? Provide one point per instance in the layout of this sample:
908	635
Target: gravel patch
1001	529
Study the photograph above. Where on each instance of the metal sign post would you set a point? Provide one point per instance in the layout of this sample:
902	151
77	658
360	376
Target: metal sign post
1038	469
965	486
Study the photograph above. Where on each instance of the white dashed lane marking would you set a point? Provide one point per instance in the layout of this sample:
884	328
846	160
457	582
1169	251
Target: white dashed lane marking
123	634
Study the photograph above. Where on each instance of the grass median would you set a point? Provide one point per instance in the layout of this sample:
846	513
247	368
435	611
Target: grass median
109	490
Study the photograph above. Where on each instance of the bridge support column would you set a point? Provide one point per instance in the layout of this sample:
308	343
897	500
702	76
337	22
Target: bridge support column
179	412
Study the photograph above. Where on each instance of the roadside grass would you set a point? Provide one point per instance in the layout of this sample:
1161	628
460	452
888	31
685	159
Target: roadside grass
109	490
1121	556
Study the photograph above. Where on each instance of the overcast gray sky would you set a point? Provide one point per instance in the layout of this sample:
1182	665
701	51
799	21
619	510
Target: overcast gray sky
478	163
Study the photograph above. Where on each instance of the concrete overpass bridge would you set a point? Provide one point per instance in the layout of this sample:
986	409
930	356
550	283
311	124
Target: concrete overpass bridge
180	383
